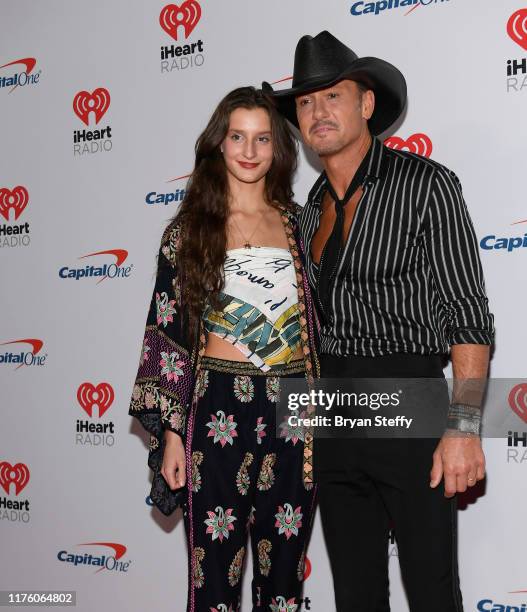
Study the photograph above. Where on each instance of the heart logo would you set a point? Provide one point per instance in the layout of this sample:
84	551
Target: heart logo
416	143
18	473
517	27
307	568
16	199
97	102
186	15
88	395
518	400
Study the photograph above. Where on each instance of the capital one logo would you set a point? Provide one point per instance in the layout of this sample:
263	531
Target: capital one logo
96	102
518	400
22	78
13	199
28	358
17	474
89	395
113	270
517	27
177	195
173	16
416	143
112	562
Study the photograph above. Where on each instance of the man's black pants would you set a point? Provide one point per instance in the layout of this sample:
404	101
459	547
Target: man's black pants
367	486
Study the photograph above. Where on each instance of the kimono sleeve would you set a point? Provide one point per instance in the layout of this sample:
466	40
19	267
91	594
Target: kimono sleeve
164	380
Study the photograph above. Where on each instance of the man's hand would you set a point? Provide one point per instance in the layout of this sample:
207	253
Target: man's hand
173	468
460	460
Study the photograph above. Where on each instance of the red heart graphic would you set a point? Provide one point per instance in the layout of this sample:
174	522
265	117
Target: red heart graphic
85	102
416	143
187	15
16	199
19	474
102	395
517	27
518	400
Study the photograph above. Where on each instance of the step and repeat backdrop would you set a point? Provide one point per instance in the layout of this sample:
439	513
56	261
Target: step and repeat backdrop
100	107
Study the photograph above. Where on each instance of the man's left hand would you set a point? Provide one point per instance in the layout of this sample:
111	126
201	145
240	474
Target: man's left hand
460	460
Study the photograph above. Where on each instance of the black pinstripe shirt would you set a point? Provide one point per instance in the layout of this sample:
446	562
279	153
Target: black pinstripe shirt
410	278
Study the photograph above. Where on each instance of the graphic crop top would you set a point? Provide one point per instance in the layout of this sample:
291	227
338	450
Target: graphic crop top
260	314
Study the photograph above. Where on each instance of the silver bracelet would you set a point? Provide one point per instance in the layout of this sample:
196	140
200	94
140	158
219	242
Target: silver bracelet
464	418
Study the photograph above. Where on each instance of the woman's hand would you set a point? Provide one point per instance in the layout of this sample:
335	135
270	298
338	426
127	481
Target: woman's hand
173	468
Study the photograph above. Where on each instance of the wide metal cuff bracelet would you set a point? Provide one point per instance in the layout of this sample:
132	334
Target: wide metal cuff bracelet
464	418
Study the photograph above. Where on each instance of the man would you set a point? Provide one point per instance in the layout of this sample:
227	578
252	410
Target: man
393	262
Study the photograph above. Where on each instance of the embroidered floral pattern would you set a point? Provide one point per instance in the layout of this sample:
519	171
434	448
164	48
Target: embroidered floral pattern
147	396
202	383
219	523
264	562
243	388
172	412
144	352
279	604
272	388
288	521
171	365
292	433
235	569
199	576
164	309
176	286
222	427
266	477
171	249
176	421
150	399
221	607
153	444
195	478
242	477
259	429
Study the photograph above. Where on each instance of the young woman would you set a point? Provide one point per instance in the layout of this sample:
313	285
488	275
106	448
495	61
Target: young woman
231	318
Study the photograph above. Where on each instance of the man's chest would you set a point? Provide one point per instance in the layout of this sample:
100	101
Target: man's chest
327	221
383	238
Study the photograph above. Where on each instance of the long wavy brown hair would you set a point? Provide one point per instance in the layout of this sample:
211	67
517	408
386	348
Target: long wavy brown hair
204	211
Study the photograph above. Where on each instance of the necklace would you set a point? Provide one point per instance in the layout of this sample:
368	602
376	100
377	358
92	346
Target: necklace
247	241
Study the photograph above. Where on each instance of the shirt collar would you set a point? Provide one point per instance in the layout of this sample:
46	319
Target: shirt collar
377	168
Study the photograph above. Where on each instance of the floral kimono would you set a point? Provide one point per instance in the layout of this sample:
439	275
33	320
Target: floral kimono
164	390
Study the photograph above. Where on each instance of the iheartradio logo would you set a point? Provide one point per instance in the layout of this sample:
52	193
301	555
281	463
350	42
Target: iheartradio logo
15	199
89	395
416	143
187	15
517	27
518	400
17	474
97	102
307	569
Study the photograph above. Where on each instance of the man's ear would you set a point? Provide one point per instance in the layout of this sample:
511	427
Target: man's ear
368	104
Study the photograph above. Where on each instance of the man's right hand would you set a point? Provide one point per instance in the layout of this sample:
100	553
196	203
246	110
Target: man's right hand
173	468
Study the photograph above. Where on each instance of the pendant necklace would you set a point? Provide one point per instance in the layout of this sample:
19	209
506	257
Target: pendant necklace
247	241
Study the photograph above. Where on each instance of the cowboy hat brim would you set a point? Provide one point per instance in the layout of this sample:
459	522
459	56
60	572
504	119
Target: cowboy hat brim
386	81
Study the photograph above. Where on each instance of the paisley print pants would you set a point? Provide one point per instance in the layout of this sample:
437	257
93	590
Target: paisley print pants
245	484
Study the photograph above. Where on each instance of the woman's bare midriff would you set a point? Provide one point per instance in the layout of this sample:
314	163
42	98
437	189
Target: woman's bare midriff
221	349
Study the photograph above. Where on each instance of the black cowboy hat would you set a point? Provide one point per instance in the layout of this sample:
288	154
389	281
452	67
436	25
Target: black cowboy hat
322	61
